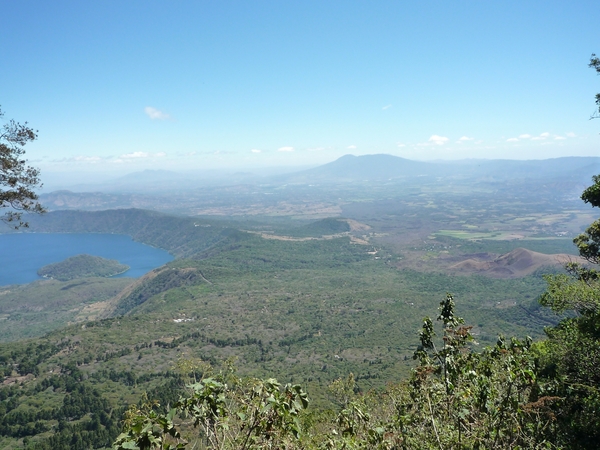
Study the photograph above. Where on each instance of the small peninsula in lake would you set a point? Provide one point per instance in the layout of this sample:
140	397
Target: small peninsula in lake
82	266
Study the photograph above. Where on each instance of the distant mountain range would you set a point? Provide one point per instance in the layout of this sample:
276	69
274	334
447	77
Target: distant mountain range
368	167
140	189
382	167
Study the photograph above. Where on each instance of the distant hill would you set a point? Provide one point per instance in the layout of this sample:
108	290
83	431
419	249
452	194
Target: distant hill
389	167
517	263
82	266
366	167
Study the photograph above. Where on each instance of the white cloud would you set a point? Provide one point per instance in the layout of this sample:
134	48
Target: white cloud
438	140
541	137
386	107
351	147
92	159
160	154
559	138
285	149
255	150
400	145
525	136
512	140
135	155
465	138
571	135
155	114
317	149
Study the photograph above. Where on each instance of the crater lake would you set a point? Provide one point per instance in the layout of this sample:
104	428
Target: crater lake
23	254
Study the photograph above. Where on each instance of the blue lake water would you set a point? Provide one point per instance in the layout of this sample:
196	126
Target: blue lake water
23	254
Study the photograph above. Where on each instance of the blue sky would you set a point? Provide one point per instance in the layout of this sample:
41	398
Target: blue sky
124	86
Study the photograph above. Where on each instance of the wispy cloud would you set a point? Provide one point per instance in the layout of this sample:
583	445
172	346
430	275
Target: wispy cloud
315	149
571	135
438	140
285	149
465	139
559	138
155	114
541	137
386	107
90	159
255	150
135	155
351	147
527	136
400	145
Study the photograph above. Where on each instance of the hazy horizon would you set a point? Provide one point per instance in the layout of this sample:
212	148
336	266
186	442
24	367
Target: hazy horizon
61	180
123	87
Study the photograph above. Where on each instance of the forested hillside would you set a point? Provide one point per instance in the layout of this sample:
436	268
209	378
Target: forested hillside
180	236
331	306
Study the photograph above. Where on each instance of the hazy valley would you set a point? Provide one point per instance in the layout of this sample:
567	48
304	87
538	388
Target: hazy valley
307	277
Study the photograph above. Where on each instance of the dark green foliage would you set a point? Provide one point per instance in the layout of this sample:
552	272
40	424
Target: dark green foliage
85	419
588	242
82	266
595	64
570	358
229	412
591	194
18	181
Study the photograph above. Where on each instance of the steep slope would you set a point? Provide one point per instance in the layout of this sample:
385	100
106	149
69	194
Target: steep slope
180	236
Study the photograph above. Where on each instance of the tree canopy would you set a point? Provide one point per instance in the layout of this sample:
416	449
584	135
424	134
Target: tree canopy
595	64
17	179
